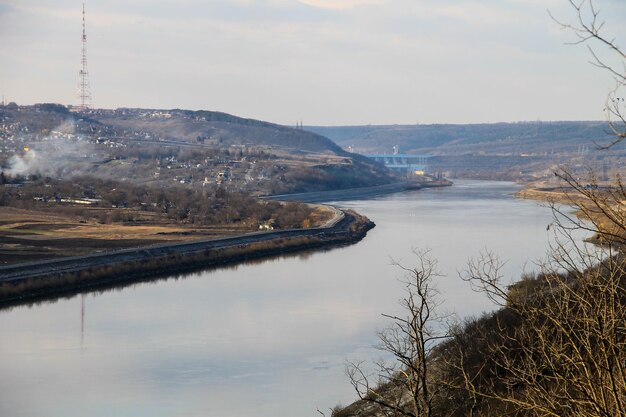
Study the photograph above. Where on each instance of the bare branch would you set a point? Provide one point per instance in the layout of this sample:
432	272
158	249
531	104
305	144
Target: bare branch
588	29
405	386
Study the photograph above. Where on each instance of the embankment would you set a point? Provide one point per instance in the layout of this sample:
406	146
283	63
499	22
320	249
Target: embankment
599	209
358	193
546	194
33	280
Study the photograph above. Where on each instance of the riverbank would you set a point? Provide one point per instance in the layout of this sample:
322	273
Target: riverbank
28	234
360	193
601	206
33	280
550	194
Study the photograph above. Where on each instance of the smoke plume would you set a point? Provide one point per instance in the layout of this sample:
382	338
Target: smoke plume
61	154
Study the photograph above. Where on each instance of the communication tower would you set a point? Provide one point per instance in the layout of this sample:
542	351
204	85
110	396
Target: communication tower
84	90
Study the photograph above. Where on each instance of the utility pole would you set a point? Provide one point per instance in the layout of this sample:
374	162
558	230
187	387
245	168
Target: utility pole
84	91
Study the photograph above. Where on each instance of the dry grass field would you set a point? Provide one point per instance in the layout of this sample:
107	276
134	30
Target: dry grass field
27	235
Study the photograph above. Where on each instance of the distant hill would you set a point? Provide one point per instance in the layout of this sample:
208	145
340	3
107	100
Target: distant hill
525	137
525	150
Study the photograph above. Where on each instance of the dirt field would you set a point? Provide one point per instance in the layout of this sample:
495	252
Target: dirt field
30	235
27	235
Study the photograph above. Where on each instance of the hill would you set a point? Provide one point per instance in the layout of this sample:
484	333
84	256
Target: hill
519	151
218	129
100	180
186	148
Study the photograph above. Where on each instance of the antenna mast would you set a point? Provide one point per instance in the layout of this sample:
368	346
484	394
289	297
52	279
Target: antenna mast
84	91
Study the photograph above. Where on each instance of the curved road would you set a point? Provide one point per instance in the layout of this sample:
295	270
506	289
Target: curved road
13	273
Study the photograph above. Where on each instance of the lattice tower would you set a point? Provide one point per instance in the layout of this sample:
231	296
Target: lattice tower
84	90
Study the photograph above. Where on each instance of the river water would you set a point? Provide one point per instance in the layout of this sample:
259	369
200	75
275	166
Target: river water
264	339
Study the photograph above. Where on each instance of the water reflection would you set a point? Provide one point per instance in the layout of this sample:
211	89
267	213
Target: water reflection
266	338
155	279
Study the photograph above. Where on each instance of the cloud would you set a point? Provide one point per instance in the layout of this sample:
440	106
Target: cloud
340	4
281	60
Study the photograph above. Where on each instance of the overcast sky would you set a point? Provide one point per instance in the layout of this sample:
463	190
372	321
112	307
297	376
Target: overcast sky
325	62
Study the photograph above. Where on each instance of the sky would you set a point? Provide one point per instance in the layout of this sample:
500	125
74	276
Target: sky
319	62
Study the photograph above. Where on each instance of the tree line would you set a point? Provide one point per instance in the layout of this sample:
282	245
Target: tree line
126	201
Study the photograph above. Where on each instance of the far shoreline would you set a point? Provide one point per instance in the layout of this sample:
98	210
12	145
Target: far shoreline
358	193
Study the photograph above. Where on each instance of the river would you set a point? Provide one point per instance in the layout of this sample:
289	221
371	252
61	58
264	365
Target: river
263	339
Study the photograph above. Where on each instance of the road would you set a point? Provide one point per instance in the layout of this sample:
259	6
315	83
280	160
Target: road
16	273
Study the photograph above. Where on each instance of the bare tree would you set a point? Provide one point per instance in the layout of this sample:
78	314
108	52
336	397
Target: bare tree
588	29
557	345
597	208
560	341
591	207
403	385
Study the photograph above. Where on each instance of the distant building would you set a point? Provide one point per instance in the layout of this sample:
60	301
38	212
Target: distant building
403	164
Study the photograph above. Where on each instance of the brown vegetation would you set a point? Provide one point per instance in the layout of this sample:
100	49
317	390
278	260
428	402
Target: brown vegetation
556	346
600	206
110	201
125	271
46	218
